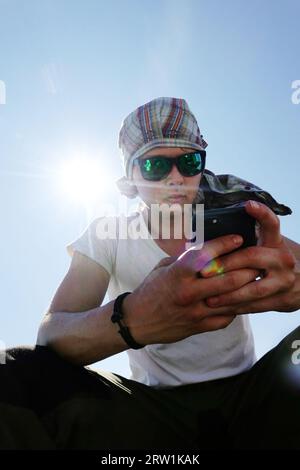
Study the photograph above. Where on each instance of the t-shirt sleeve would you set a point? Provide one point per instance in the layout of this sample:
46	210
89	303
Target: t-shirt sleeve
97	242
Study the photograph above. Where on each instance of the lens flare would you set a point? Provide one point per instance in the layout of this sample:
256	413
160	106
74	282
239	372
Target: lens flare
82	180
213	268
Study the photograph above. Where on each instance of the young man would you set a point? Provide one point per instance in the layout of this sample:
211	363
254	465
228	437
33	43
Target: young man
195	380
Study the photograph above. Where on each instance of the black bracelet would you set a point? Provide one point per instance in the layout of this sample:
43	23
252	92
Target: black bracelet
117	317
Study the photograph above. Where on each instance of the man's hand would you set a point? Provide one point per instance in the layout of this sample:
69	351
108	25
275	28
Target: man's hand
170	303
276	258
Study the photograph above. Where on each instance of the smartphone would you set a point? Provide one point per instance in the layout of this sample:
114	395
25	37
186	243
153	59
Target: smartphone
227	221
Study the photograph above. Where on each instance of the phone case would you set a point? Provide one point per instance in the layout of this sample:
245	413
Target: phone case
227	221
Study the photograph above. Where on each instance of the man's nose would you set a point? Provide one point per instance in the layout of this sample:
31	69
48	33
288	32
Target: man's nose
175	176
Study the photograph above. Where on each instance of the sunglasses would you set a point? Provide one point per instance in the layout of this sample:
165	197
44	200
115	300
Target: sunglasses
158	167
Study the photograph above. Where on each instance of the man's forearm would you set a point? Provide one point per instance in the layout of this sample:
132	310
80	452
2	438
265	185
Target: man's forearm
82	337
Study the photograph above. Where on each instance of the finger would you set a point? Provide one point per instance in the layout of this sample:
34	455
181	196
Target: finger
219	285
198	311
268	221
194	259
252	257
255	257
215	322
279	303
253	291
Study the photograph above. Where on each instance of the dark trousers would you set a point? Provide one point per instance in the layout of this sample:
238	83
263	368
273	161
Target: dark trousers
48	403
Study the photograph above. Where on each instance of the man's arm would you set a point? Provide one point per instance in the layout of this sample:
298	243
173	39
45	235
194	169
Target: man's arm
168	306
82	337
74	317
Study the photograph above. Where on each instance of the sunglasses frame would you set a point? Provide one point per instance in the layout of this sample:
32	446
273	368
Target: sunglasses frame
173	161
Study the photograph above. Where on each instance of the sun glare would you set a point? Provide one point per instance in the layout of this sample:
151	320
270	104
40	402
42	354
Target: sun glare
82	180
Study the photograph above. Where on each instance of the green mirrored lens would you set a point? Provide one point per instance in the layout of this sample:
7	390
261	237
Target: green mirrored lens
155	168
190	164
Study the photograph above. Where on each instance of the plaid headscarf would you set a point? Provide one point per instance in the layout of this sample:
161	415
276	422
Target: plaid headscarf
162	122
168	122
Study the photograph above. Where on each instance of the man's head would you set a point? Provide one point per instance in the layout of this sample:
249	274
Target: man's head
165	127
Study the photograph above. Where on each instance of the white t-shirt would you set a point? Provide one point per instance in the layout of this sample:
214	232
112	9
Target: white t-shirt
198	358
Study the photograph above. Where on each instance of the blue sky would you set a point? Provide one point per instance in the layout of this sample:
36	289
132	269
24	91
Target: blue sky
74	69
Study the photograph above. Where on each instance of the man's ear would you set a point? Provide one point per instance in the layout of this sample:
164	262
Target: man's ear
127	188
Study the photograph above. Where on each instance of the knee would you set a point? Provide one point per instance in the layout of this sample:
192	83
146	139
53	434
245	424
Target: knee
28	353
35	355
18	353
